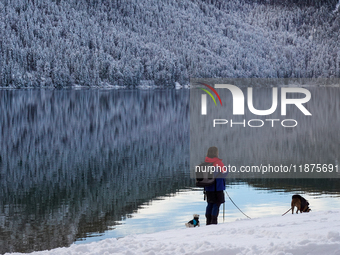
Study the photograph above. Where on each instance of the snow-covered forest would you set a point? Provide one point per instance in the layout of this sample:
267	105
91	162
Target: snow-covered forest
60	43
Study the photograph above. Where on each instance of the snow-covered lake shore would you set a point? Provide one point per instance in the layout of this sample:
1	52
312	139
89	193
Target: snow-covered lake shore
312	233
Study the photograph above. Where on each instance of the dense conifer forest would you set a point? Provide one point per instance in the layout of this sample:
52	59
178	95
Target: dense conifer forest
61	43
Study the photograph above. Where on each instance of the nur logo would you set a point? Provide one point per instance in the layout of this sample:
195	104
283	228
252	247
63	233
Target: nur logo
238	99
204	97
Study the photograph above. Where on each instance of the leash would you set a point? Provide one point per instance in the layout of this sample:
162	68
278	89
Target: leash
236	205
241	210
223	210
287	211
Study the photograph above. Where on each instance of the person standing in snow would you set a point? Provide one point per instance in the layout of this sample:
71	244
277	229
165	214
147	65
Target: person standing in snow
215	192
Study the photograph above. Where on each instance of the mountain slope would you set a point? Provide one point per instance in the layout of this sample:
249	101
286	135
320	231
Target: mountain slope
97	42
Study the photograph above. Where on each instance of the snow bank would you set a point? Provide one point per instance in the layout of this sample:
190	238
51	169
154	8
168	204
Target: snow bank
312	233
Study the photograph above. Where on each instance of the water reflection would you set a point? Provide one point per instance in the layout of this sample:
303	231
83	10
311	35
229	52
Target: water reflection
76	162
171	212
262	201
310	186
315	140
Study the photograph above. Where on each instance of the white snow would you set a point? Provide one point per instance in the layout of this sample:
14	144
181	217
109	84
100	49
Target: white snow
308	233
337	7
178	85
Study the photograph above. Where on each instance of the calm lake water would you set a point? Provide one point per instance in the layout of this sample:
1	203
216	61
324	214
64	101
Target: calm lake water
83	165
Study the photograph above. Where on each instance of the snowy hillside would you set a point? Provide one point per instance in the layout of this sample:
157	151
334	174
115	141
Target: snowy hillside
314	233
100	42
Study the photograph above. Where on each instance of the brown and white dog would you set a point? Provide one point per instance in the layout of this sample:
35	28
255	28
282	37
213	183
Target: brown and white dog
301	204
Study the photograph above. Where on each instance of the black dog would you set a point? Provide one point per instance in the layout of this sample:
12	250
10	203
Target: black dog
194	222
301	204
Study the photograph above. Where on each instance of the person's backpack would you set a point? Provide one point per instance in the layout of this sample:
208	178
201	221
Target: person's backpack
204	177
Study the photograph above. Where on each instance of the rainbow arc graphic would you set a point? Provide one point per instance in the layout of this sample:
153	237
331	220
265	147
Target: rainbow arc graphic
204	97
209	93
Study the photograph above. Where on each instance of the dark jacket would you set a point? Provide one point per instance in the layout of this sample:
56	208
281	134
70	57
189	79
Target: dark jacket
220	176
